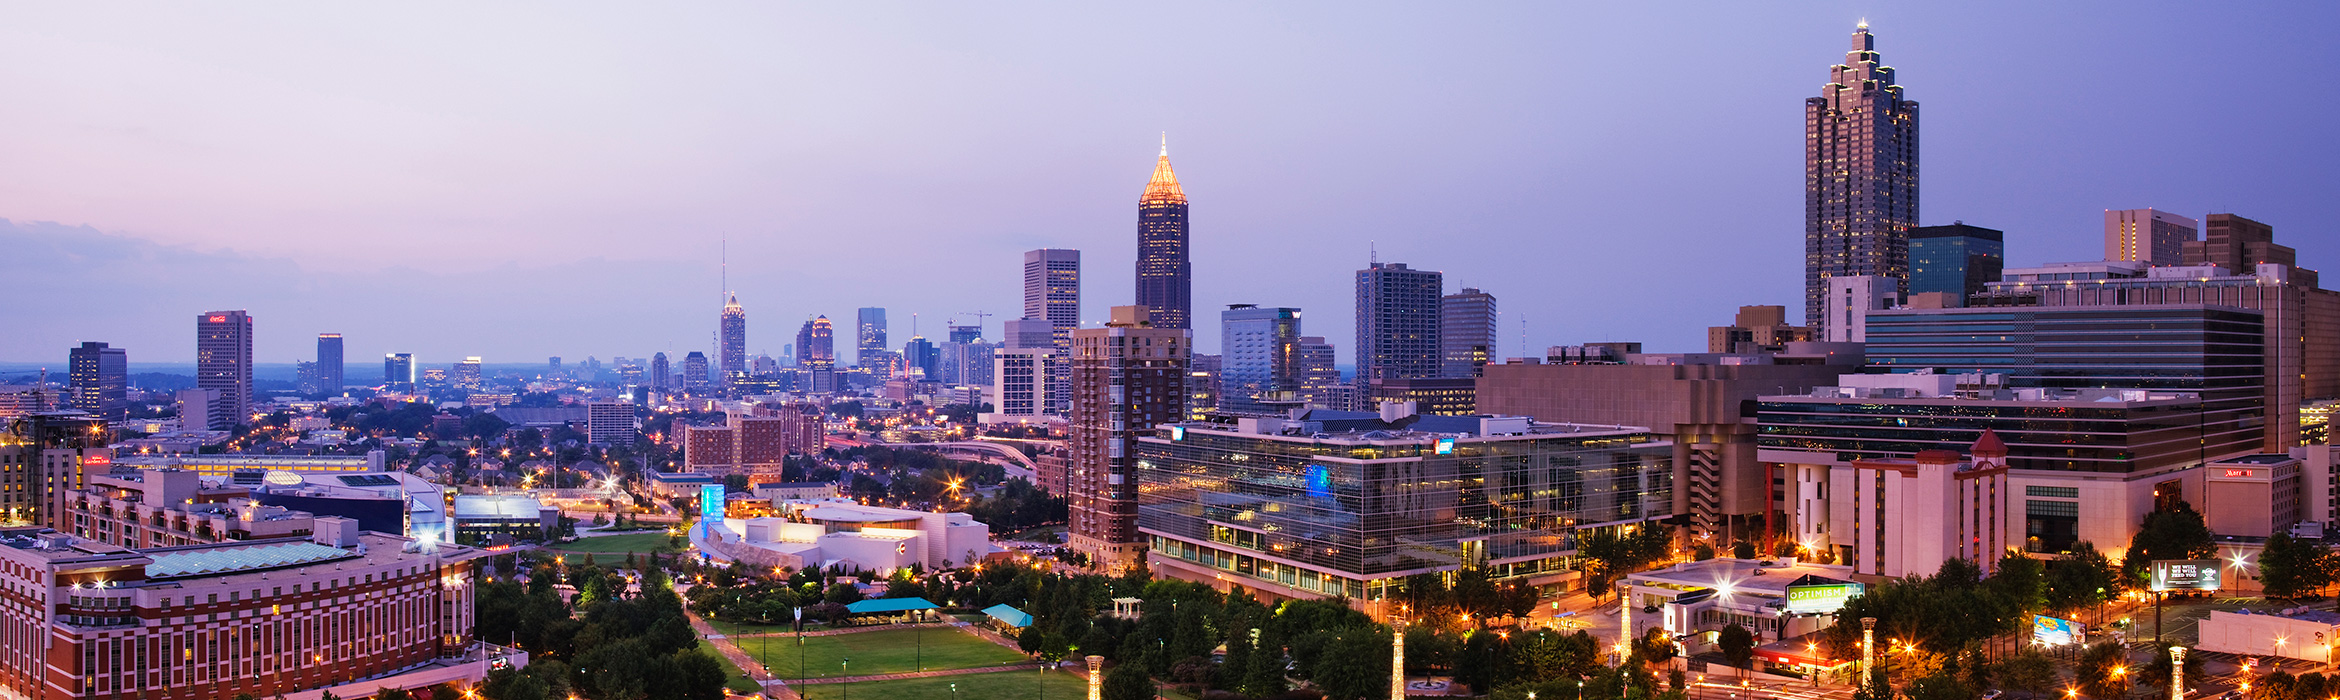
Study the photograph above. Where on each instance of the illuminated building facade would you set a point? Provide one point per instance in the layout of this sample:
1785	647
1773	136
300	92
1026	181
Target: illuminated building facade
263	617
398	371
223	360
1258	352
1127	377
1956	260
869	335
733	350
1165	284
816	354
694	374
42	458
1397	322
329	362
1860	175
1339	503
2149	236
100	380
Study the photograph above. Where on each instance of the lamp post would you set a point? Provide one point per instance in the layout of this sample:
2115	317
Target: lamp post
1868	649
843	690
2177	673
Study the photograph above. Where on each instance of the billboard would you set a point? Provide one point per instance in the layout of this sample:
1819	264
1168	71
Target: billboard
1821	598
2185	574
711	501
2057	631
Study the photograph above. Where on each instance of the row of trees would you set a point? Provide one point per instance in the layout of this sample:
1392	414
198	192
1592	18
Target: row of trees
605	644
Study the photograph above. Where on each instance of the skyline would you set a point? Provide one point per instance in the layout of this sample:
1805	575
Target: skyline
1474	158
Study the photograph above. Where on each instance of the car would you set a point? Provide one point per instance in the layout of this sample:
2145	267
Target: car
1990	695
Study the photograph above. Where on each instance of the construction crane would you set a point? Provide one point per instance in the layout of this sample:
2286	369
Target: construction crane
979	317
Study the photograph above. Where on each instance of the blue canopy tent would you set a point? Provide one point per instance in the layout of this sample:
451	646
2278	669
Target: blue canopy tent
1009	616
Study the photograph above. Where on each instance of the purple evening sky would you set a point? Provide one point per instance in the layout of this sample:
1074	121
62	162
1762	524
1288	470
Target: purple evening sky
520	180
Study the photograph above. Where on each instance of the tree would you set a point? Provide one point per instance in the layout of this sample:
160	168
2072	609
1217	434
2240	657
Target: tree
1127	682
2290	567
2176	532
2084	577
2029	670
2104	671
1941	686
1742	549
1738	646
697	676
394	694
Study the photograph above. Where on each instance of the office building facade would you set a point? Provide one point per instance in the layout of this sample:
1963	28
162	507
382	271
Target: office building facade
99	377
1052	291
869	335
1860	175
330	369
1127	378
1955	260
1756	330
2149	236
223	360
43	457
1466	333
398	371
1165	276
1850	299
694	374
1313	359
731	346
609	423
1397	322
1348	504
1258	353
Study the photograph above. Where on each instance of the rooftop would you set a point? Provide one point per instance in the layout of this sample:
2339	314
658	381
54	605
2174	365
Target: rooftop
220	559
1769	578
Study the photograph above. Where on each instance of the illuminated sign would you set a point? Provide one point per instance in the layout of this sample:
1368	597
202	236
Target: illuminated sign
2056	631
97	460
1445	446
1177	432
219	319
2188	574
1821	598
2238	473
711	501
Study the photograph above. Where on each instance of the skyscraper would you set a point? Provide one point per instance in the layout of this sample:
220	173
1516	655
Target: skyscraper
923	356
1397	322
2238	244
734	340
1860	175
869	341
223	360
816	354
1052	291
966	334
694	377
398	371
329	366
100	377
1165	284
1955	260
2151	236
1320	378
1127	377
466	374
1466	333
1258	353
661	373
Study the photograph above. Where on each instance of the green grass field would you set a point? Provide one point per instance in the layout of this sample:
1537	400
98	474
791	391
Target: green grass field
1005	685
733	629
640	543
886	651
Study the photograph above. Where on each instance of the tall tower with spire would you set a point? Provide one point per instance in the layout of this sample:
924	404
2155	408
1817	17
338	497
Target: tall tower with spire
1165	283
733	357
1860	176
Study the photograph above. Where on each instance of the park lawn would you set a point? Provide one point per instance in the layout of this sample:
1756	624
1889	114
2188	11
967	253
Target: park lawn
639	543
1004	685
883	651
733	677
734	629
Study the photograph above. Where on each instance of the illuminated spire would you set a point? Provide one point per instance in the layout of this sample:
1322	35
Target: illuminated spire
1164	187
733	303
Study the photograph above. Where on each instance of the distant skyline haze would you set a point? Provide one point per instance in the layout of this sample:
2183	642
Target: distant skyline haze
521	180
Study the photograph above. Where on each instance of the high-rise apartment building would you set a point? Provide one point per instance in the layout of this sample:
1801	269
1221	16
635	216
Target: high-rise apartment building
1203	385
869	335
1127	377
661	373
2149	236
398	371
694	376
43	458
1165	277
1955	260
1397	322
1258	349
223	359
609	423
922	356
1052	291
734	339
100	381
329	365
1860	175
1466	333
